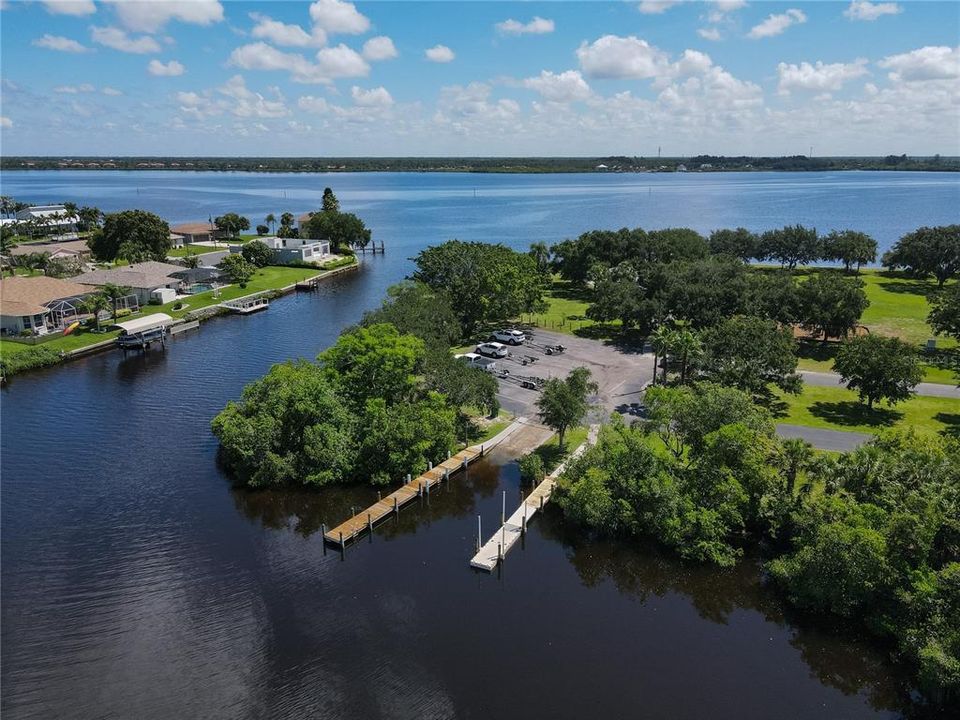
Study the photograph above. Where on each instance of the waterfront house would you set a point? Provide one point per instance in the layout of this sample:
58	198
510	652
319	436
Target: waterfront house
176	240
142	278
52	220
288	250
39	304
194	232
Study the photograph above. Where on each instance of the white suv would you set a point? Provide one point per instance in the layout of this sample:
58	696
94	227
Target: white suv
511	337
493	349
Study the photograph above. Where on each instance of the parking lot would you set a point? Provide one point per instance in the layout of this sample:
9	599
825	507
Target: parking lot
620	373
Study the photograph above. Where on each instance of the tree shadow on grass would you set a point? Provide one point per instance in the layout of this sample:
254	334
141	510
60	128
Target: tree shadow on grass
905	287
851	412
821	352
952	422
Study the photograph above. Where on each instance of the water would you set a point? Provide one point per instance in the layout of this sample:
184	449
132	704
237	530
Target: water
137	583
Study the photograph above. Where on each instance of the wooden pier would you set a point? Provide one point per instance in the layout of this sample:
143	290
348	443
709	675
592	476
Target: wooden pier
515	526
417	487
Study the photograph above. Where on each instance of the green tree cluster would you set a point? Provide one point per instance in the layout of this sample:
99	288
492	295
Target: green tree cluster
133	235
486	283
342	230
257	253
927	251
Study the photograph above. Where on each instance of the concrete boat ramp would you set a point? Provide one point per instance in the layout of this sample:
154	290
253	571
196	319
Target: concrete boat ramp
413	488
495	549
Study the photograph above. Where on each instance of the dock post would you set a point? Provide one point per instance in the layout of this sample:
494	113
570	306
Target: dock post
408	477
481	451
541	502
479	534
396	506
369	525
499	552
464	464
428	487
446	475
429	464
378	496
323	535
341	539
523	526
503	510
448	454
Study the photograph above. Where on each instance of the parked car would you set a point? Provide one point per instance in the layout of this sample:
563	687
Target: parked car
478	361
493	349
511	337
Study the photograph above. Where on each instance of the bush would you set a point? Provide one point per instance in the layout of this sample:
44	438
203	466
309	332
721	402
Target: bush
531	468
123	312
257	253
178	306
36	357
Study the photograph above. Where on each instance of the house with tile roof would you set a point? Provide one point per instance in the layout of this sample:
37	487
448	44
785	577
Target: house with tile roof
39	304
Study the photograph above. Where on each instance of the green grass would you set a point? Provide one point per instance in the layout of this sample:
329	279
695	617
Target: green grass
188	250
550	451
567	313
835	408
818	357
491	430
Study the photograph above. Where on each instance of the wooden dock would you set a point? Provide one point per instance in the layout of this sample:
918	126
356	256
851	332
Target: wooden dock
417	487
514	527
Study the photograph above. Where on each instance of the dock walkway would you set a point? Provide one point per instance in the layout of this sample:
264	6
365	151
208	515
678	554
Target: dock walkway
421	485
497	547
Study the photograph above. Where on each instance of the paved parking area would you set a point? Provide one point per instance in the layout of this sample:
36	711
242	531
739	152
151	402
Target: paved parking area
620	373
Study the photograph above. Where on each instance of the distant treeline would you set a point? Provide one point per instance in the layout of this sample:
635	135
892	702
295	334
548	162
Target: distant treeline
615	164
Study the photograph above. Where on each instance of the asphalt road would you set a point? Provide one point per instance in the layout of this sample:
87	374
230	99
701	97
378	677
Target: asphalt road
821	439
928	389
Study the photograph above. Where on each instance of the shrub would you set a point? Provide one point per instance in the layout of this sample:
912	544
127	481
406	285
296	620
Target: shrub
36	357
531	468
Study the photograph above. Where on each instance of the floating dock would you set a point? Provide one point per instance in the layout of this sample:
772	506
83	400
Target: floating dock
365	520
248	304
515	526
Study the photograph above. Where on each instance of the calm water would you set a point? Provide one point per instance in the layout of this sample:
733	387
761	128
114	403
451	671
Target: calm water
137	583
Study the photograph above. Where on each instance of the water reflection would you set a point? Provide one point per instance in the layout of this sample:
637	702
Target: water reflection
838	655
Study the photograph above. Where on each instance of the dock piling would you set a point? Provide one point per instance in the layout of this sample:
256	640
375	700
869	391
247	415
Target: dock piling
479	534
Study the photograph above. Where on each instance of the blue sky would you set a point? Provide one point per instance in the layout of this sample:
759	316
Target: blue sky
202	77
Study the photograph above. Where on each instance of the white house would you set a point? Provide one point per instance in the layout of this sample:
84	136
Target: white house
51	220
287	250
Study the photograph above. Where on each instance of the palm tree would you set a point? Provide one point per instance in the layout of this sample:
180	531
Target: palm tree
271	220
661	340
96	304
114	293
687	345
797	456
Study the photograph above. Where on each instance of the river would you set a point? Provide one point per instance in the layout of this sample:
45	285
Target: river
137	583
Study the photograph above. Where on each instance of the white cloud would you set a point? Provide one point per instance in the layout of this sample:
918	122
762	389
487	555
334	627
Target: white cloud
710	33
655	7
171	69
341	62
926	63
866	10
375	97
117	39
5	122
312	104
612	56
819	77
58	42
776	24
249	103
440	54
537	26
74	89
70	7
564	87
379	48
336	16
151	15
285	34
113	92
464	108
726	6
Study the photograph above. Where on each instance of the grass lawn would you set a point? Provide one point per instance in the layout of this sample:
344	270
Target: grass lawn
492	428
899	306
835	408
818	357
550	451
188	250
567	313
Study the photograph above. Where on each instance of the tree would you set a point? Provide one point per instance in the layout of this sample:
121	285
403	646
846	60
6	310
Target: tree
849	247
739	243
669	244
114	293
287	230
341	229
374	362
485	283
791	245
257	253
797	455
90	218
879	368
62	267
772	295
142	232
95	304
660	341
191	261
541	256
944	315
271	220
237	268
751	353
329	203
928	251
687	346
564	403
262	230
133	253
416	309
231	224
831	305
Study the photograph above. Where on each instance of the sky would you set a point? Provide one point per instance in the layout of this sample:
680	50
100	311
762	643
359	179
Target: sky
329	78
